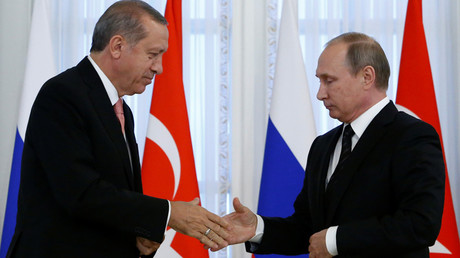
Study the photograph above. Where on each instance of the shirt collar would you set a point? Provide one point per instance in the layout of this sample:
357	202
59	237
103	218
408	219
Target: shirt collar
360	124
109	87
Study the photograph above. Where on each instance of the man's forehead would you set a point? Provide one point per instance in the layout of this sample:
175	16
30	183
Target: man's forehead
333	55
338	49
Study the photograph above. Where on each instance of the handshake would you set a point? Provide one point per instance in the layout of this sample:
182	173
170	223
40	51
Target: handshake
213	231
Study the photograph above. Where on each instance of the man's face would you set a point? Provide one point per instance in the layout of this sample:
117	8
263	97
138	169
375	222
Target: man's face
340	91
139	64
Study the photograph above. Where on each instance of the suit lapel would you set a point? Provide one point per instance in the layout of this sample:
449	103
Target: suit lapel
318	175
104	109
129	130
368	141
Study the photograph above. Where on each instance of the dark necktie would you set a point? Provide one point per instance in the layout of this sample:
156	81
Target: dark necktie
346	150
346	146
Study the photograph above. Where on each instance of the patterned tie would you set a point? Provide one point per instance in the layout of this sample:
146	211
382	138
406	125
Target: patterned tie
345	152
346	145
118	107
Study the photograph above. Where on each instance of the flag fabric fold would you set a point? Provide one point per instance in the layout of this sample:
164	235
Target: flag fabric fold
40	66
168	167
291	128
416	95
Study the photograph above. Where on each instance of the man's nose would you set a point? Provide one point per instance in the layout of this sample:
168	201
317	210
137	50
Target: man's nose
157	66
322	94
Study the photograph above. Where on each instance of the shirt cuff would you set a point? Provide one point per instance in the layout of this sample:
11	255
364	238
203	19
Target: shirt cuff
169	215
331	240
257	238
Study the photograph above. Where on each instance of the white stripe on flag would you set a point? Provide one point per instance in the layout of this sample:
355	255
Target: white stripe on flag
291	110
40	64
291	128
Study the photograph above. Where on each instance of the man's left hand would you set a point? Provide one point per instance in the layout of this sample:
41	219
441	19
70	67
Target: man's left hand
317	246
145	246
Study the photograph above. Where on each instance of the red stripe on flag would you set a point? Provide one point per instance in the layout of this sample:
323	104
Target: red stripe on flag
160	185
416	93
169	107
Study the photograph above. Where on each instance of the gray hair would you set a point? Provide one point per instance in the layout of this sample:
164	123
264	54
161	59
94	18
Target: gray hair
124	18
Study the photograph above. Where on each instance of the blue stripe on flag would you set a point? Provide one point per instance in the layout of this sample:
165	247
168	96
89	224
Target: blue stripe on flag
9	222
282	179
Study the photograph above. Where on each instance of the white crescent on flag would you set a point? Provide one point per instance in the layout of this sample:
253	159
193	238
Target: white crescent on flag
438	248
406	110
159	134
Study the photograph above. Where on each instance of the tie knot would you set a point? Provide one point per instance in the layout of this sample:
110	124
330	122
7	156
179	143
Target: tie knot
119	106
348	132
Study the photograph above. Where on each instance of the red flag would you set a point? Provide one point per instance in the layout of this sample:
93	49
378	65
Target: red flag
416	93
168	168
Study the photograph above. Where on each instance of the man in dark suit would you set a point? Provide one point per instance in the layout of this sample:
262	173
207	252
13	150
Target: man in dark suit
81	193
374	186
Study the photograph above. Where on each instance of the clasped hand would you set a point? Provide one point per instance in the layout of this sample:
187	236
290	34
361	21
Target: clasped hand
213	231
242	225
193	220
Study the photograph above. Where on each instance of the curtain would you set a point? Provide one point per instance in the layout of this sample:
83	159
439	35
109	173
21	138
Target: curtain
229	53
206	51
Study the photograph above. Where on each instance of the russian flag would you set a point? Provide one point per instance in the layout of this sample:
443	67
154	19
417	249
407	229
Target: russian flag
40	67
291	128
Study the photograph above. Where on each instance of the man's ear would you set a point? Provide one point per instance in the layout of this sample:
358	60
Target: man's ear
116	45
368	76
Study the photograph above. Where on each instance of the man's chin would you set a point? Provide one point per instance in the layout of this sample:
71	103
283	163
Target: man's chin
332	114
137	91
141	90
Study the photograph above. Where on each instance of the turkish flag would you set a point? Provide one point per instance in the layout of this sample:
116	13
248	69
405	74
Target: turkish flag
416	93
168	167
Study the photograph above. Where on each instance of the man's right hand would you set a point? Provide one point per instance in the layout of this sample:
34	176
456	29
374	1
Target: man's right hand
243	223
193	220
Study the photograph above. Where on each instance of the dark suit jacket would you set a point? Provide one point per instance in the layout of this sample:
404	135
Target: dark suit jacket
387	199
79	195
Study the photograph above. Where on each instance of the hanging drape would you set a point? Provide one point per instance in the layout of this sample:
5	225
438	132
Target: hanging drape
229	53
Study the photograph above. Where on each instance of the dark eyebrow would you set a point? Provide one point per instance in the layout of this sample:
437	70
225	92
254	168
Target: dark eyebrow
324	75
